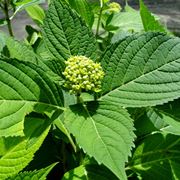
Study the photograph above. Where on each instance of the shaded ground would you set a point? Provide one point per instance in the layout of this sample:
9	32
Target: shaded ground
169	13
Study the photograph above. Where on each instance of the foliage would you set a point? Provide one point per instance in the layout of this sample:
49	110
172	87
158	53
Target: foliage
126	128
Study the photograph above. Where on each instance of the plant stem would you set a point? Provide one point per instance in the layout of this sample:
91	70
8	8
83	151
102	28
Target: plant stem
6	12
99	18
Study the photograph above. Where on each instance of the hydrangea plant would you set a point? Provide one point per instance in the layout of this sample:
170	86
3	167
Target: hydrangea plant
127	129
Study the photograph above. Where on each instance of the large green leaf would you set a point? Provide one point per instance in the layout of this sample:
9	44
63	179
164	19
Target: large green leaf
24	87
66	34
11	117
149	21
18	50
142	70
90	172
129	20
104	131
37	174
15	154
157	157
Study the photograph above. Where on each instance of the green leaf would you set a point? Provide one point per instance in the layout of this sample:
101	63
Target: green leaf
66	34
128	21
22	4
156	120
22	52
84	10
24	87
142	70
175	169
166	117
37	174
148	122
18	50
36	13
174	124
171	108
12	116
170	114
90	172
26	3
120	35
59	124
155	156
104	131
149	21
15	154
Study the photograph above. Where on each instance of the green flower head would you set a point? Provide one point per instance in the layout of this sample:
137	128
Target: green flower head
82	74
114	7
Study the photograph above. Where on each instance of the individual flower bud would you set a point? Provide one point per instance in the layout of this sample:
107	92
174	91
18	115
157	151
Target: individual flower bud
82	74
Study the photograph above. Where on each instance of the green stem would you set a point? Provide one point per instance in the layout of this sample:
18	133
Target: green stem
6	12
99	18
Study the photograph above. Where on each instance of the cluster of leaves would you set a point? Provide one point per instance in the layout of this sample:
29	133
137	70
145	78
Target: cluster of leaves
128	130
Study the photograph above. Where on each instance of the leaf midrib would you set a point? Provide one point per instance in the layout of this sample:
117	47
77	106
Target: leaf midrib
62	28
131	81
90	117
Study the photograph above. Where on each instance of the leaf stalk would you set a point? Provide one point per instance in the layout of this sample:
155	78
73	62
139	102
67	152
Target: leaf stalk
6	12
99	18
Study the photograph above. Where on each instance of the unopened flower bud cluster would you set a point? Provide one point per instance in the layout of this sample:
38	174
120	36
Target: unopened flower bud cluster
81	73
114	7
